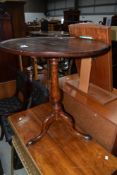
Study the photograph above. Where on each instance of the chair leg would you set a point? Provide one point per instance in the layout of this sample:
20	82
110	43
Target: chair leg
1	168
12	153
2	133
6	130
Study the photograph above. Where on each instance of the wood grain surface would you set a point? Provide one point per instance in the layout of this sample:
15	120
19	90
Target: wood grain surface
60	151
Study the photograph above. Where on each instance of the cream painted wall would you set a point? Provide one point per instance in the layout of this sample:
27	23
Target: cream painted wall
33	16
93	18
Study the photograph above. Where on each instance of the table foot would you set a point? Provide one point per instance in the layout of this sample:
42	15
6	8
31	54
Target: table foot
69	119
45	126
54	117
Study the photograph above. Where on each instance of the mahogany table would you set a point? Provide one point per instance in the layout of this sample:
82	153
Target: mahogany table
53	48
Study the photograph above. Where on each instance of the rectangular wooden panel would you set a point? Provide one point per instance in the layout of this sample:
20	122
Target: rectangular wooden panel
95	112
101	73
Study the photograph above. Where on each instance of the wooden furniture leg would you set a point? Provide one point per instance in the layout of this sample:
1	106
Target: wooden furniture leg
57	112
20	62
85	70
35	68
12	152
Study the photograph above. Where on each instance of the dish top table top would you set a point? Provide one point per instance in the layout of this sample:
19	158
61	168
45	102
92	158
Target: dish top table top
49	47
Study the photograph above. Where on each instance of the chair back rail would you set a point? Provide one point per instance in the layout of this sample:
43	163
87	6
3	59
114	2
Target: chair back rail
101	70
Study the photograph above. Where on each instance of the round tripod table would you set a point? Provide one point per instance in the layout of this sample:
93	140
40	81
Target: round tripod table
53	48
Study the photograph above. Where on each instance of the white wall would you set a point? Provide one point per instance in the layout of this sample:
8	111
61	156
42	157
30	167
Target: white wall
93	18
29	17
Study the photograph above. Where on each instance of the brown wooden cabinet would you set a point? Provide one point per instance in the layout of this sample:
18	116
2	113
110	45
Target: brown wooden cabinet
15	9
70	17
12	25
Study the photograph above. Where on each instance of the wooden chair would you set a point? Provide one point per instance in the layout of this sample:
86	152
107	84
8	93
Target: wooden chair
99	70
11	105
34	93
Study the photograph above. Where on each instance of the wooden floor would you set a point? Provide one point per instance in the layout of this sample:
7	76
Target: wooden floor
60	152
